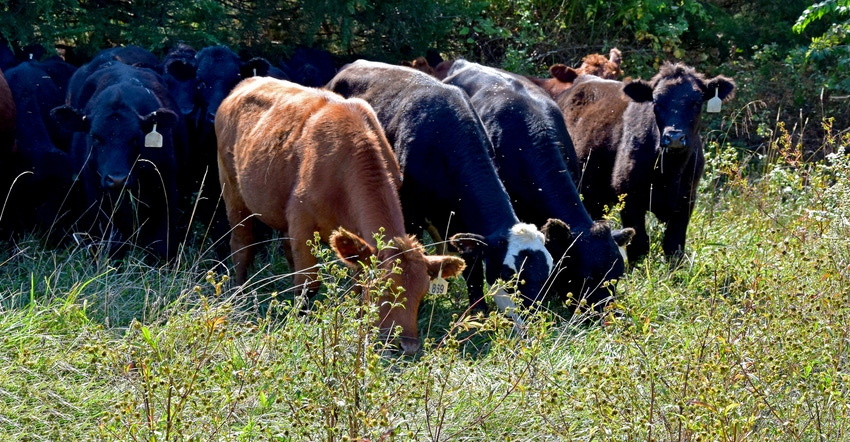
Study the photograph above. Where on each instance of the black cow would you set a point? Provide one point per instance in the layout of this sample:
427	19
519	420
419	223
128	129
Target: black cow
310	66
536	161
128	179
41	193
130	55
444	154
641	140
7	140
179	68
219	69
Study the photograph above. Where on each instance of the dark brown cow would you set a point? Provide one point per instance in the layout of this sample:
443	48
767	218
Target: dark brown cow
593	64
303	160
641	139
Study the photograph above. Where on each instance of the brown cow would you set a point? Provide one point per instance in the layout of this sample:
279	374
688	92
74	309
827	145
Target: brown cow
304	160
593	64
420	64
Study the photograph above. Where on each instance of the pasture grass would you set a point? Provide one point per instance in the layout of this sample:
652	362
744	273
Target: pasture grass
745	338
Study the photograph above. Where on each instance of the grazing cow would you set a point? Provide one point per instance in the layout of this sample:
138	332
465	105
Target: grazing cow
445	155
593	64
641	140
7	140
41	155
536	161
304	160
310	67
127	176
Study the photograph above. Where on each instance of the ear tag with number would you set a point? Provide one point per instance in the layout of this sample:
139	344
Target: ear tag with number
713	105
154	138
439	286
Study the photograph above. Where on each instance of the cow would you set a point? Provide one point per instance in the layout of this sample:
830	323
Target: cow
124	152
41	193
309	66
449	180
562	76
536	161
179	69
420	64
303	160
130	55
218	71
8	126
640	140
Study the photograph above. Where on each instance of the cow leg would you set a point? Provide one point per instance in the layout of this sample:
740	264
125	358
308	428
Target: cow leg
474	276
242	234
301	259
639	246
674	235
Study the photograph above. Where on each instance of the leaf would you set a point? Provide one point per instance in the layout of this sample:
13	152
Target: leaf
463	31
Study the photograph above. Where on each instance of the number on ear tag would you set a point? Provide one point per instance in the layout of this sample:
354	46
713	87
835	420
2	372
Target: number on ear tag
154	138
439	286
713	105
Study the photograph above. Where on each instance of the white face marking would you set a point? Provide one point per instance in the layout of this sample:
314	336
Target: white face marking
526	237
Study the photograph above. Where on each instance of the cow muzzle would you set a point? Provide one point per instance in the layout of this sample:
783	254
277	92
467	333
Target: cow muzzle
674	139
114	181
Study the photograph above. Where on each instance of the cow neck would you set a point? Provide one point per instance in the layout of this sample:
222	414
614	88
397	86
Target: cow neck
482	204
374	197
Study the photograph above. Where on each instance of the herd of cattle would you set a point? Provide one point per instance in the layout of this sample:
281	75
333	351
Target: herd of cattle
132	149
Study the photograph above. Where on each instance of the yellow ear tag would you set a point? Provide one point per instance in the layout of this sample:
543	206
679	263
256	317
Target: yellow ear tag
713	105
439	286
154	138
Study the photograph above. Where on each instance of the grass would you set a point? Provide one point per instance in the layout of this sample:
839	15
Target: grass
744	339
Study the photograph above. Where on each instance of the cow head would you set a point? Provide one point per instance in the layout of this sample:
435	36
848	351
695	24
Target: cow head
677	93
582	255
116	131
519	251
219	71
180	70
398	307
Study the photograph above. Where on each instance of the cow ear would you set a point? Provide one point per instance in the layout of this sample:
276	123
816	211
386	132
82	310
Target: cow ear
181	70
445	266
256	67
622	237
468	244
557	231
638	90
70	119
724	86
563	73
615	57
164	118
350	248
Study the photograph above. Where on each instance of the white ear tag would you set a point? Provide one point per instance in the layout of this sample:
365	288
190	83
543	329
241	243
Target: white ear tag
713	105
154	138
439	286
255	72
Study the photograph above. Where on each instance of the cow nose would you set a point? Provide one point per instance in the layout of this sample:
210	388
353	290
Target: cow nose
111	181
674	139
409	346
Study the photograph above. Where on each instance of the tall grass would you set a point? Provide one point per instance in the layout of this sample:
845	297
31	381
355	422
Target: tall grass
744	339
